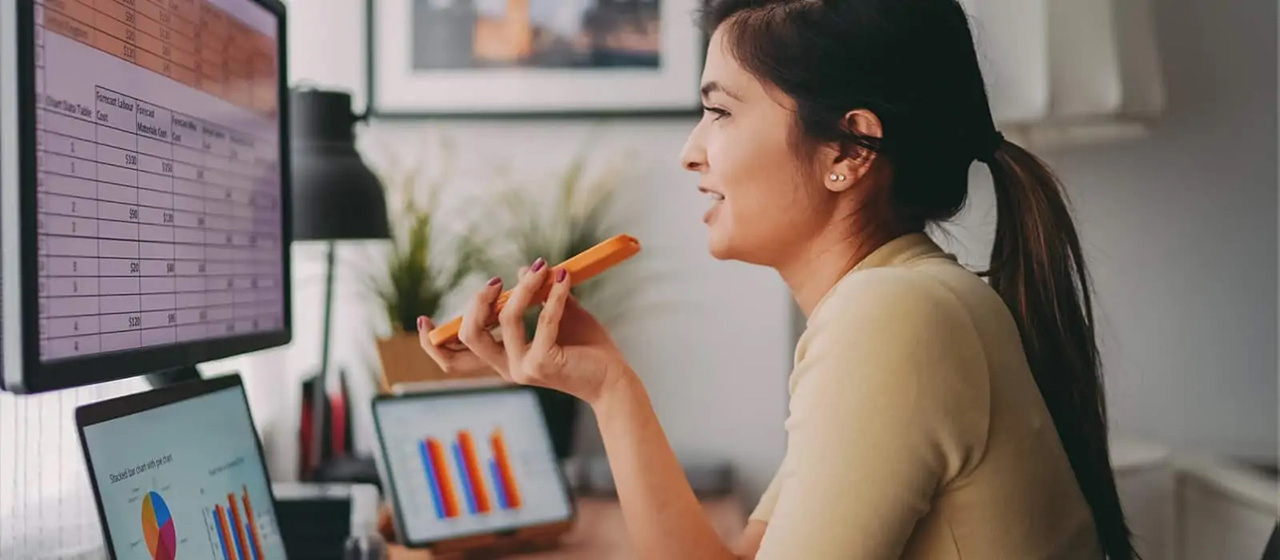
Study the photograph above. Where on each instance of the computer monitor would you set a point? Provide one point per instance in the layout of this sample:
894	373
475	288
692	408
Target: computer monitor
144	208
178	472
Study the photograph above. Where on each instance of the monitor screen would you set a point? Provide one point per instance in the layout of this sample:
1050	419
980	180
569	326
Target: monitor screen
154	201
184	480
468	463
158	174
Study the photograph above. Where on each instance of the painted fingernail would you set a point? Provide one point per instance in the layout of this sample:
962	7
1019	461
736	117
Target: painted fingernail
538	264
422	322
495	281
560	275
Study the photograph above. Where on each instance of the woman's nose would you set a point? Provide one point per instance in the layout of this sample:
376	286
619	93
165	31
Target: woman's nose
692	156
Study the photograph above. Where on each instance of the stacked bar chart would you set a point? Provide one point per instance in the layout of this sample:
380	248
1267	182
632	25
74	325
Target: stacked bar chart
460	461
237	536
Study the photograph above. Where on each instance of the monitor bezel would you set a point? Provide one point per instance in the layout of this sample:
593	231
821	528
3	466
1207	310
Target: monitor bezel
24	372
113	409
388	477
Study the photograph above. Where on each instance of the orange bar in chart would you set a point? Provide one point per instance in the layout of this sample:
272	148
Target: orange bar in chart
468	446
255	539
225	534
503	462
242	545
442	473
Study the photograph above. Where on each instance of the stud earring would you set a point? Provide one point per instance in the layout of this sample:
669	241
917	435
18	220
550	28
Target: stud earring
836	177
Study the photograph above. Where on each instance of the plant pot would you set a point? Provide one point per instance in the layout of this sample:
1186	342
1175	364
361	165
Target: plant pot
404	361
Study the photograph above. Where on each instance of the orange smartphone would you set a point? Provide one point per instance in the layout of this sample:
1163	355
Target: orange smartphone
581	267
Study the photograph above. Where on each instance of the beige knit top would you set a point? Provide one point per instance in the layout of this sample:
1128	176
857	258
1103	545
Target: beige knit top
916	429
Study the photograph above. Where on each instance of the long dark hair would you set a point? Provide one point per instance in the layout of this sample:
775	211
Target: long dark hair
914	65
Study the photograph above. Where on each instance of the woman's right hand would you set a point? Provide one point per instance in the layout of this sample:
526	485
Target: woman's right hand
570	352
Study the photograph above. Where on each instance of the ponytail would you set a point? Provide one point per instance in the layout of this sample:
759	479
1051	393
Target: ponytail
1039	271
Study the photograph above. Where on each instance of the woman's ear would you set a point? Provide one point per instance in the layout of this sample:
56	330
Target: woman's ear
845	164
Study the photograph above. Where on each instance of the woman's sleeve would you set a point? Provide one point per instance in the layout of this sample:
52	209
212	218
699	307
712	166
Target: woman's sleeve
889	403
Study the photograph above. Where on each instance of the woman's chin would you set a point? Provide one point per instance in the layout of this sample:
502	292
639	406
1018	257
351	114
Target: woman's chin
718	246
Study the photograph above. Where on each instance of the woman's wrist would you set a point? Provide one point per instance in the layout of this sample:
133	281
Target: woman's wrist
619	386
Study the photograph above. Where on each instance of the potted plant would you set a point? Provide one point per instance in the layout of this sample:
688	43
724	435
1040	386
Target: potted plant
574	218
416	278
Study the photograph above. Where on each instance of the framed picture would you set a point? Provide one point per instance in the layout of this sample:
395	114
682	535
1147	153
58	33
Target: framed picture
533	57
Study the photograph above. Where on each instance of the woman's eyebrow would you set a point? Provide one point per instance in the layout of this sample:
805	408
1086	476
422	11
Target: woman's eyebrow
710	87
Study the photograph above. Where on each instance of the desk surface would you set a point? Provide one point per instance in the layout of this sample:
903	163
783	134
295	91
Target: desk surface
601	534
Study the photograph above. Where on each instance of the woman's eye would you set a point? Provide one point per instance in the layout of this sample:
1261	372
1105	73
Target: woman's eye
720	113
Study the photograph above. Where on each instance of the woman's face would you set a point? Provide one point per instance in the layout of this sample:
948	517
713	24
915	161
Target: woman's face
765	204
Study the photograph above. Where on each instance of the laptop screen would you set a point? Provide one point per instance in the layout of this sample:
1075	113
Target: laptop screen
185	480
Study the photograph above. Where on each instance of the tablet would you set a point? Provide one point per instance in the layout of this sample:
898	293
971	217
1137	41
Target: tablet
469	463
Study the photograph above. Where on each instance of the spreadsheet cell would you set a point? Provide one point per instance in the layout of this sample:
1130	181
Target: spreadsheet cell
71	306
159	302
116	174
73	326
189	305
66	185
53	122
110	248
115	286
115	138
118	230
157	336
161	167
157	176
69	266
127	340
149	250
58	246
74	346
68	206
120	304
157	285
62	287
54	143
70	166
157	319
121	322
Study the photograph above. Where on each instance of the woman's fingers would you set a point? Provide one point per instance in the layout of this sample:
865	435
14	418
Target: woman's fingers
544	340
424	340
474	331
449	359
512	316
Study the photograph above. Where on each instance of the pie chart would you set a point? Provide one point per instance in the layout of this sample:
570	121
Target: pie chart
157	527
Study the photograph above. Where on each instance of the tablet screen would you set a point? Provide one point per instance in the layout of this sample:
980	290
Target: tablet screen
469	463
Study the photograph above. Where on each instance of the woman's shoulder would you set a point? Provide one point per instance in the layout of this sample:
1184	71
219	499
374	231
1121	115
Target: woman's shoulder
922	294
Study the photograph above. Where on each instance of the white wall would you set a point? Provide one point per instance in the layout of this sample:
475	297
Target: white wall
1180	232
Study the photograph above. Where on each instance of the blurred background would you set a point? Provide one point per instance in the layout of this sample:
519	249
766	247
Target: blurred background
1160	117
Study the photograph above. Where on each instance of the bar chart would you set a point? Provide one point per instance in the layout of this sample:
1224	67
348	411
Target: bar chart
477	488
238	536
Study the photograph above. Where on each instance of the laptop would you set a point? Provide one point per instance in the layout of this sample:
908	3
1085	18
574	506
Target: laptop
178	472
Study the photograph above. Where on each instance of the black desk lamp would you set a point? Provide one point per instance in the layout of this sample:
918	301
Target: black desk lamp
335	197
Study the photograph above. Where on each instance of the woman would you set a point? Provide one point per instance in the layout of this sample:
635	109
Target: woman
933	415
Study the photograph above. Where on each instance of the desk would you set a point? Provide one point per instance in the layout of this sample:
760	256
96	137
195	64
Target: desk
601	534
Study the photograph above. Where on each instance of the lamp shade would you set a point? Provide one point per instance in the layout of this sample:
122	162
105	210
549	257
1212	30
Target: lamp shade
335	195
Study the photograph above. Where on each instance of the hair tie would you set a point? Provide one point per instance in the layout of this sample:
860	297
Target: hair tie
988	153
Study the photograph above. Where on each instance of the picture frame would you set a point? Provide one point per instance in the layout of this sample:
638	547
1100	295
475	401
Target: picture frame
533	58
